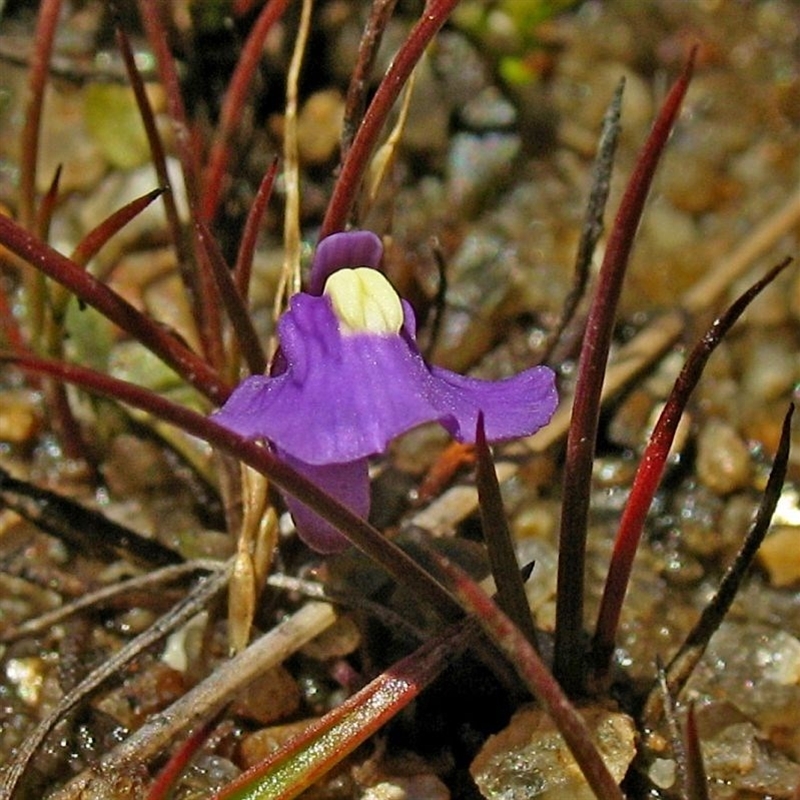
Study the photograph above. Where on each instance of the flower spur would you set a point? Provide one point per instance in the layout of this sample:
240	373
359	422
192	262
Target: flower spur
349	378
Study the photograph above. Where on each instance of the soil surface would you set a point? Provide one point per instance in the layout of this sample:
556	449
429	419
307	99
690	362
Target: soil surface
489	185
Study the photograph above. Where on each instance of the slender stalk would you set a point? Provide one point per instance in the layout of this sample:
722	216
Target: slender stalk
649	472
246	335
538	679
696	780
98	237
592	227
247	246
169	775
43	37
355	102
158	157
289	283
95	293
233	105
511	595
199	283
568	657
306	758
691	651
394	560
358	156
33	282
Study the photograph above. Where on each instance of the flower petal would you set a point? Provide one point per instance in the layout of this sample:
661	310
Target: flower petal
348	483
343	398
512	407
348	249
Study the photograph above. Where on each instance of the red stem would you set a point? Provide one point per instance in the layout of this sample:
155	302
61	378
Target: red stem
347	726
360	152
247	246
568	654
118	310
533	671
650	470
159	160
43	37
246	335
178	761
395	561
233	105
199	283
91	244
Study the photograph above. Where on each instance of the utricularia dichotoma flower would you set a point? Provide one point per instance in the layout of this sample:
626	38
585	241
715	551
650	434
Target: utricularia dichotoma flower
349	378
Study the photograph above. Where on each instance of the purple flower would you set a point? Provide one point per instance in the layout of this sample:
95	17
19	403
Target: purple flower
350	378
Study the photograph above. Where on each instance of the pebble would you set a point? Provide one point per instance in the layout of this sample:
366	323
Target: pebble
723	460
273	696
319	126
779	555
18	420
339	640
530	759
414	787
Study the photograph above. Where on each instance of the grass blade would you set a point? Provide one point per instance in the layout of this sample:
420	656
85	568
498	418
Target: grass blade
651	468
358	156
246	335
538	679
233	106
118	310
569	656
247	246
696	781
394	560
691	651
305	759
511	595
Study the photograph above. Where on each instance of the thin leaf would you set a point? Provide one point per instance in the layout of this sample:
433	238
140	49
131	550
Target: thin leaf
46	26
404	569
379	15
691	651
568	661
113	306
592	227
198	281
676	736
247	246
289	282
358	156
246	335
158	157
651	468
696	780
233	106
83	528
306	758
33	282
511	595
47	206
171	772
92	242
538	679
